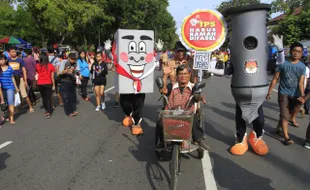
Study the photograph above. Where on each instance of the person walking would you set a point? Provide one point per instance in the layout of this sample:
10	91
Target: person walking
8	85
30	65
99	70
46	83
20	75
83	68
68	85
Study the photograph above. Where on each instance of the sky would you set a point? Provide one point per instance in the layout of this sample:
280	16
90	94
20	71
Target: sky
182	8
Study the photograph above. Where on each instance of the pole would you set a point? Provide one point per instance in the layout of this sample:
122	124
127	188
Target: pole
200	74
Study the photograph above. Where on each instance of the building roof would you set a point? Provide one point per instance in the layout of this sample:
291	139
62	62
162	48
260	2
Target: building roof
275	20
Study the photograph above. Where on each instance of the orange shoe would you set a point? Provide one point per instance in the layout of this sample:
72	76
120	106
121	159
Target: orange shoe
128	121
240	148
137	129
259	146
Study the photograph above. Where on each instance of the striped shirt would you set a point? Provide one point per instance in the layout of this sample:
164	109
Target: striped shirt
6	79
178	99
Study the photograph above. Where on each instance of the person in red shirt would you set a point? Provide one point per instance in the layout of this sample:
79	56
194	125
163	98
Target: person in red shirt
46	83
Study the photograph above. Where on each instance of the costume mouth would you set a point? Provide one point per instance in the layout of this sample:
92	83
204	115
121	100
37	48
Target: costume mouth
137	70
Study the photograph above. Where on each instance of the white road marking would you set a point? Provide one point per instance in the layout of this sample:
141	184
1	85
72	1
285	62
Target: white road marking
5	144
109	89
208	172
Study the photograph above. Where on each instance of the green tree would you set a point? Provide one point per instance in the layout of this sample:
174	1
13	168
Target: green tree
7	22
142	14
294	27
79	22
58	19
287	6
289	28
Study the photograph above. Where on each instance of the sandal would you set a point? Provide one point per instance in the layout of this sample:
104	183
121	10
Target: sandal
287	142
294	123
71	115
31	110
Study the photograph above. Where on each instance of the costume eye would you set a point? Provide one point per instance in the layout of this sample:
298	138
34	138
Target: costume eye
132	47
142	47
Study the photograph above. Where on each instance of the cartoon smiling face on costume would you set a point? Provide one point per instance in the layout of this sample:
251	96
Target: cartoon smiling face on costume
135	51
251	67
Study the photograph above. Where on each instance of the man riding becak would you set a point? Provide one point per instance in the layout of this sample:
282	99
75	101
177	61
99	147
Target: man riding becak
179	94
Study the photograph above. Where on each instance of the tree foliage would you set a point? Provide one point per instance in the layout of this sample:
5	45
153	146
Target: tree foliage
287	6
81	22
292	27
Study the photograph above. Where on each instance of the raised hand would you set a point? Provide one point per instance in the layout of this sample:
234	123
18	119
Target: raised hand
160	45
167	70
107	45
278	42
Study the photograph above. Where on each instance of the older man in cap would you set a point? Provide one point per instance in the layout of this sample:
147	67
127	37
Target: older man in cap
180	58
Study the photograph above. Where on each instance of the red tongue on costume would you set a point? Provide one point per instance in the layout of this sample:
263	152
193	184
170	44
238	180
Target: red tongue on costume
120	70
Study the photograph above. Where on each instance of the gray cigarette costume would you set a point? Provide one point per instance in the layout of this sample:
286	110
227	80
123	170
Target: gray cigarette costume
249	57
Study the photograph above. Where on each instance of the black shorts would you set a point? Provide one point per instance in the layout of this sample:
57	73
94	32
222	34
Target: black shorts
100	82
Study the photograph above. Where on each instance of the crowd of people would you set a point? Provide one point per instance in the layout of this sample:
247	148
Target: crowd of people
23	72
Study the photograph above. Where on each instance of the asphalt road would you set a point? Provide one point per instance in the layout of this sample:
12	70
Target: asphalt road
93	151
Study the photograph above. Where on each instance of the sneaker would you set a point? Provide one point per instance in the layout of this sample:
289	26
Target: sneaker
240	148
115	105
97	108
103	106
259	146
307	145
48	115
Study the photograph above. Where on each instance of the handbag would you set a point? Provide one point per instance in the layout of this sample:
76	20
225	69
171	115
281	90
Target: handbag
17	100
4	107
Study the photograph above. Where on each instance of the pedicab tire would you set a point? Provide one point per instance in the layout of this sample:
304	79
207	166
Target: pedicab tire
201	153
174	167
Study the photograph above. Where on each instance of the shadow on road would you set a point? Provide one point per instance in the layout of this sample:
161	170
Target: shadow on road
293	170
143	151
229	105
3	157
231	176
227	115
215	134
114	114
